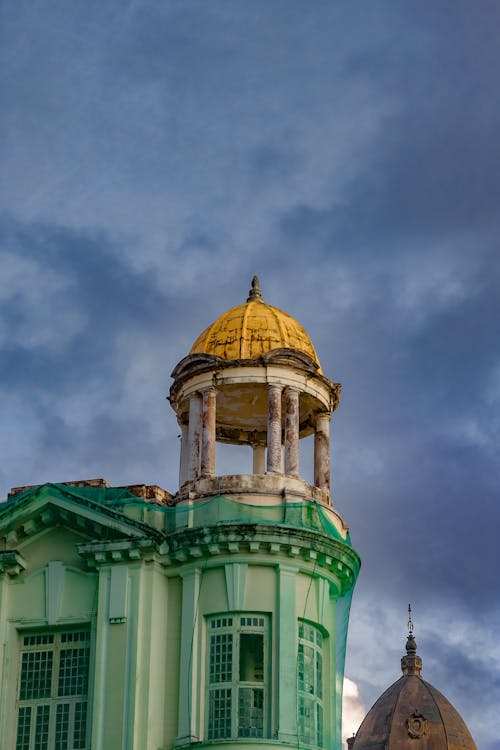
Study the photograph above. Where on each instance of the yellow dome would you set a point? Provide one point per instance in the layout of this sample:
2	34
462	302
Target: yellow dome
250	330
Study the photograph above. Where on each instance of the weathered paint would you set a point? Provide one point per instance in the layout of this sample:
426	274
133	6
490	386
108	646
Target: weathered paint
248	331
274	429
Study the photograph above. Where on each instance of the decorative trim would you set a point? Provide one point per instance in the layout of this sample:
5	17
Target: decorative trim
236	579
12	563
417	725
118	594
109	553
323	598
54	586
50	505
340	564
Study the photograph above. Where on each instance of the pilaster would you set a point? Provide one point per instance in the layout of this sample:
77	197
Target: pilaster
189	667
287	655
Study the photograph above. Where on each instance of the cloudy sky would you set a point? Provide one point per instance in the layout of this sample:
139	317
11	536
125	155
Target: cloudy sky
155	154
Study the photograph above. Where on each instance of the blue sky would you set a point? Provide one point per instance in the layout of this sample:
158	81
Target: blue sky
156	154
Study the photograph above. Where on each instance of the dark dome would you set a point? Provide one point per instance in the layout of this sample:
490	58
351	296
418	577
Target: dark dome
413	714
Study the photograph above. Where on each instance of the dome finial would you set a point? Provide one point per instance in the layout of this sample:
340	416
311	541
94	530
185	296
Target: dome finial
255	292
410	621
411	663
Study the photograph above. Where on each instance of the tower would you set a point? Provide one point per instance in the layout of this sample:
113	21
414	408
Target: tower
266	561
136	619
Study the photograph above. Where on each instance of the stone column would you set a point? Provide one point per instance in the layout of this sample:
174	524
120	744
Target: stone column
183	468
274	429
292	431
194	436
259	459
208	433
322	452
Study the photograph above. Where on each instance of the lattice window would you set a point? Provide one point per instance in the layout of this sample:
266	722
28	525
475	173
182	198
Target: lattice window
53	691
237	664
310	684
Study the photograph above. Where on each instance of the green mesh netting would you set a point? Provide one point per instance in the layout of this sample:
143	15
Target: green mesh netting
218	509
343	608
221	509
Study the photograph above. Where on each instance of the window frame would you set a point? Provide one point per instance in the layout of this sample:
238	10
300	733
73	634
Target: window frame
231	626
64	701
310	687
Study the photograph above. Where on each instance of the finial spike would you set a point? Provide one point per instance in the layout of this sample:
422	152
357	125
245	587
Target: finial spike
411	663
255	292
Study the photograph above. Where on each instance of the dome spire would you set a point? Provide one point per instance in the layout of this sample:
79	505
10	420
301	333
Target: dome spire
410	622
255	292
411	663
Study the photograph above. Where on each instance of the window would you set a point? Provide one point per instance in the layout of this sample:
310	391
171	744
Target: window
237	694
310	685
53	691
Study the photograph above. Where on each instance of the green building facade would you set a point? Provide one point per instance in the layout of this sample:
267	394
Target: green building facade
133	619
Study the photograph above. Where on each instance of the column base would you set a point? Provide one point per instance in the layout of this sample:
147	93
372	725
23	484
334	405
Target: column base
289	739
186	740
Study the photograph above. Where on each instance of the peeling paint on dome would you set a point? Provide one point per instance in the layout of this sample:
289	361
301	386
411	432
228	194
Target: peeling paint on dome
250	330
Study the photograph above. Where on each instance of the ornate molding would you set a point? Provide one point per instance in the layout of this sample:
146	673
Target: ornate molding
417	725
12	563
337	561
109	553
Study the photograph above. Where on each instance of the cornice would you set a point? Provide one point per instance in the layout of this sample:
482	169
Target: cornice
125	550
49	507
268	542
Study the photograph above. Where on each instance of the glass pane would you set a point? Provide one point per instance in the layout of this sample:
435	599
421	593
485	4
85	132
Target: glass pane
222	622
251	658
36	675
79	732
23	728
319	726
221	658
42	728
319	675
36	640
307	716
73	671
75	636
307	670
251	712
219	714
62	726
308	632
310	685
300	667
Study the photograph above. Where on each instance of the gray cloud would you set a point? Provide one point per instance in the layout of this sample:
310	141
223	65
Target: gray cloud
160	154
